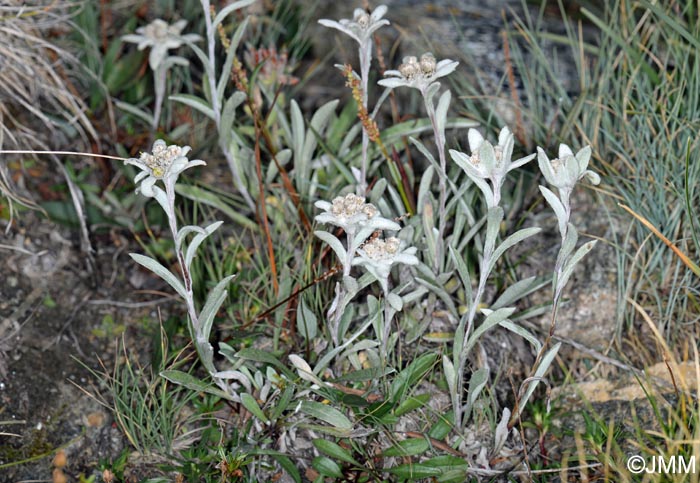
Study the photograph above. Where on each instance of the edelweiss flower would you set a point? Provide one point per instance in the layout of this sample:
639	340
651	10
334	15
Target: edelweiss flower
566	170
418	74
378	256
164	162
489	162
350	212
161	37
362	26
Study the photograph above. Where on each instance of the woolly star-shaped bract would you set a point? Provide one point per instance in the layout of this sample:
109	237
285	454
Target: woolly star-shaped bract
489	162
362	25
162	163
160	37
419	74
378	256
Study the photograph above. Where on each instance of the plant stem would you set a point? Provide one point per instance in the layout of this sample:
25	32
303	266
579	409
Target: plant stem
216	107
159	78
442	215
365	52
490	246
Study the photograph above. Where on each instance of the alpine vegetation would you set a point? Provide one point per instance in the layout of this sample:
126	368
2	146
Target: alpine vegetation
165	163
161	37
362	28
332	364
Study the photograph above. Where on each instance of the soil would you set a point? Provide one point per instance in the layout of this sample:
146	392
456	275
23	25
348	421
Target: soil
54	320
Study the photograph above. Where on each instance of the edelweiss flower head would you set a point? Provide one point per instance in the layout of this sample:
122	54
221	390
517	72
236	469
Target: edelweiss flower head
418	74
163	162
489	162
161	37
378	256
351	212
566	170
362	25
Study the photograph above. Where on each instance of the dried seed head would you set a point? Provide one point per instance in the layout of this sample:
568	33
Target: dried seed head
370	210
428	64
409	70
362	20
392	245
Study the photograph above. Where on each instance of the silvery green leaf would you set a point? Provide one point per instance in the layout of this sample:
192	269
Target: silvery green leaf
327	414
216	297
334	243
297	132
441	111
449	371
546	167
583	157
558	208
304	369
501	434
131	109
197	240
431	91
251	405
392	82
476	384
520	162
195	103
513	239
424	198
493	224
377	192
463	273
439	291
462	160
522	332
593	177
515	292
395	302
318	124
204	59
322	116
307	323
568	245
186	230
349	140
571	263
228	115
228	9
539	373
172	61
493	318
487	156
351	285
161	271
428	221
191	382
230	56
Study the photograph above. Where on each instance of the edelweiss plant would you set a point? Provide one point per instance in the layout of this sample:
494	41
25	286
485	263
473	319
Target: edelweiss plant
563	173
358	220
423	75
163	165
492	163
361	28
161	37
